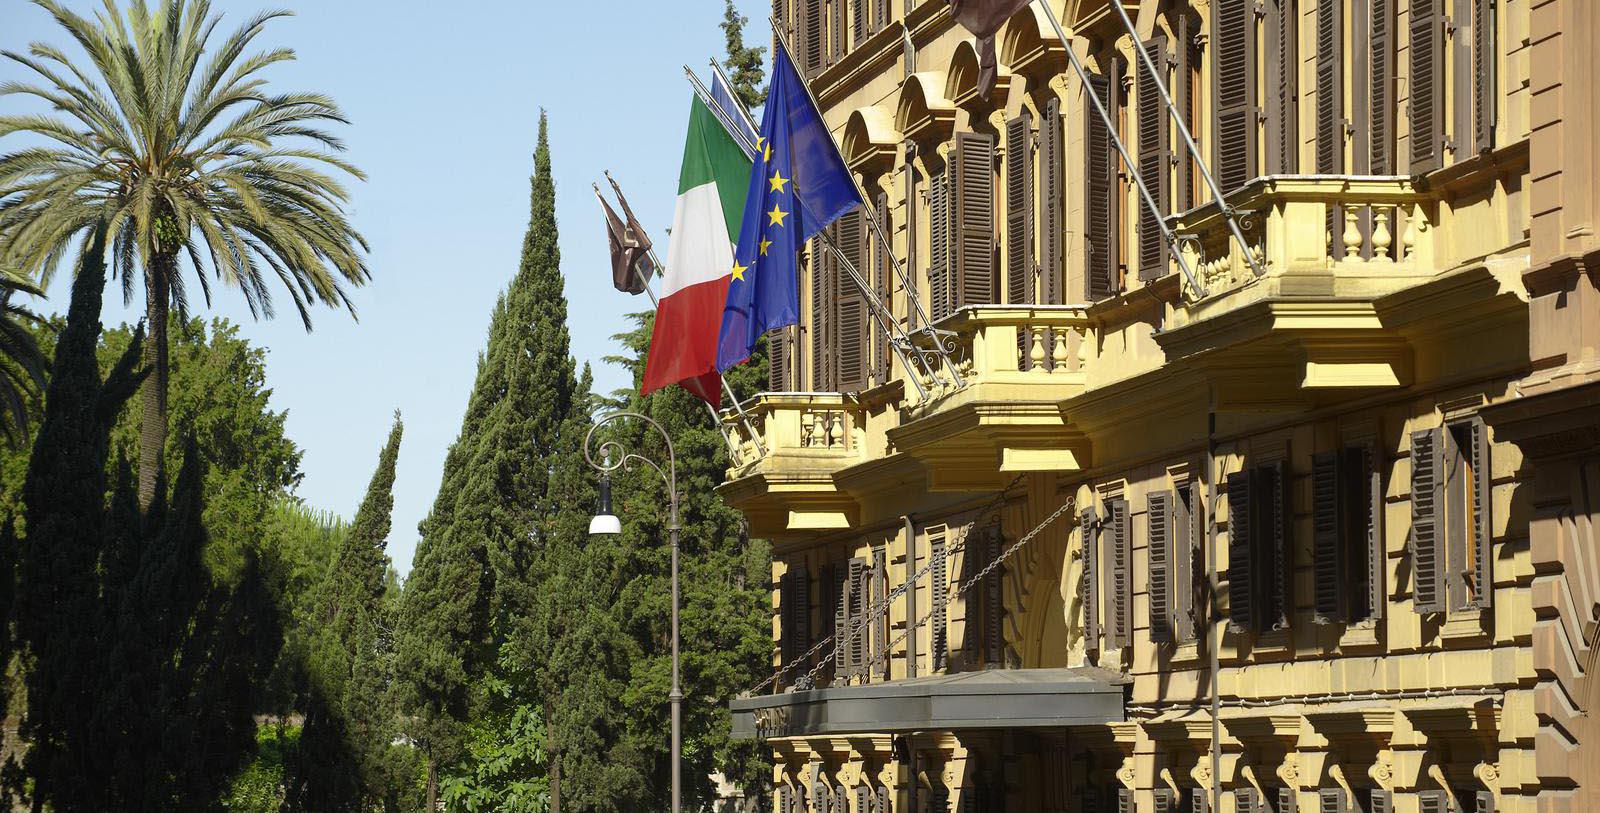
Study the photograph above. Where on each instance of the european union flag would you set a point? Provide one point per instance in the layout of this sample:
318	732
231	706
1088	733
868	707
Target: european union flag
799	185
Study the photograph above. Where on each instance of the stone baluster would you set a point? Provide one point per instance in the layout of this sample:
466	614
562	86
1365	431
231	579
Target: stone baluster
1058	354
1035	348
836	430
1352	235
1381	236
1408	240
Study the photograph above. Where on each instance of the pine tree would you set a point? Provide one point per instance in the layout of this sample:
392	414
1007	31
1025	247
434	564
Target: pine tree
343	753
743	62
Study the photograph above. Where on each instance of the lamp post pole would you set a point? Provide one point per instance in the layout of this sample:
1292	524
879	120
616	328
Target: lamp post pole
625	459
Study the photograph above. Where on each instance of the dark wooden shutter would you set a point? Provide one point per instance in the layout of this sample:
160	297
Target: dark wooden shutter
853	322
1125	800
1485	801
824	276
1019	209
1330	800
1376	555
860	595
1159	550
1163	799
830	605
1100	187
1427	86
1279	519
881	15
939	798
1288	801
1432	801
820	803
1088	524
883	282
878	607
779	352
1427	560
1183	97
1237	108
1199	800
802	612
1327	537
881	800
939	265
1052	181
1244	800
1379	801
974	220
786	618
936	630
859	22
780	16
1119	587
1381	90
993	604
1282	91
1330	88
836	31
1241	593
785	801
1187	531
1155	160
810	36
1483	525
1485	76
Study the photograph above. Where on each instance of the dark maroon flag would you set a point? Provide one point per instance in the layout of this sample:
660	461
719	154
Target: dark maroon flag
630	251
984	19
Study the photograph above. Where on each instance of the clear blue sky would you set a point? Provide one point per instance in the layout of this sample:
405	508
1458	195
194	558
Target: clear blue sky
444	104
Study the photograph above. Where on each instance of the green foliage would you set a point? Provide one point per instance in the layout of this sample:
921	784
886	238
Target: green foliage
503	771
258	788
743	62
22	363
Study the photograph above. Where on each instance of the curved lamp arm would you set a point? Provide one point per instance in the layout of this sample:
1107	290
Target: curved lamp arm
626	458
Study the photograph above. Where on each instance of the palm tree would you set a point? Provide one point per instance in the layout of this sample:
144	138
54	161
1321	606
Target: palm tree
22	365
182	153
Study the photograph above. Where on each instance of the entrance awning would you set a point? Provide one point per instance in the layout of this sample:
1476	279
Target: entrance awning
992	699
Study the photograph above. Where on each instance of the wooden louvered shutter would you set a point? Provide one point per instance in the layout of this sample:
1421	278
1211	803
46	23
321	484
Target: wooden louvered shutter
1019	210
786	636
829	581
824	282
802	611
858	592
1485	76
1288	801
939	265
1159	549
841	799
1432	801
1330	800
1482	524
883	283
881	800
1376	555
838	580
1100	190
1427	560
836	31
1119	585
912	257
1051	179
1330	87
1281	104
1125	800
936	630
1380	801
993	604
1199	800
1090	599
1281	603
1237	108
1381	90
780	16
820	803
1485	801
1241	591
1163	800
1155	160
1187	530
1183	98
778	360
881	14
811	36
785	801
974	220
1244	800
1427	86
879	611
1327	538
863	796
859	30
852	329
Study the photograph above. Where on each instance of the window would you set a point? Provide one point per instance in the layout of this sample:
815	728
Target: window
1451	525
794	619
1103	188
1462	32
1155	157
1117	554
985	635
1175	529
1437	801
938	644
1260	554
1347	535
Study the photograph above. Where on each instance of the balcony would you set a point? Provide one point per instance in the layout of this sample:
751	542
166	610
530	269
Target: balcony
1310	325
1017	362
807	438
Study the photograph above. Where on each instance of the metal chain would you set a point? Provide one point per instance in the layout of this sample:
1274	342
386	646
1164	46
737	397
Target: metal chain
883	605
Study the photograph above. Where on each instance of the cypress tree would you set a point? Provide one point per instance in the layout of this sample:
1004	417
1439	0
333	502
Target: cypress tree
341	760
743	62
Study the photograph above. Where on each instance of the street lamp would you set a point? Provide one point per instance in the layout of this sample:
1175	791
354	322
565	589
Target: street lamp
605	522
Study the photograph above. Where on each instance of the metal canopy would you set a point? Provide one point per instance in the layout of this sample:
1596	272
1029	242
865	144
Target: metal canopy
992	699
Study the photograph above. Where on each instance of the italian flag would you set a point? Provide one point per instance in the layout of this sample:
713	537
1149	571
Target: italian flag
711	190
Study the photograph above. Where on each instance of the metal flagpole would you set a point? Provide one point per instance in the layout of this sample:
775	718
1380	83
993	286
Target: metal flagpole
896	336
744	114
1188	139
722	115
1127	160
872	220
716	418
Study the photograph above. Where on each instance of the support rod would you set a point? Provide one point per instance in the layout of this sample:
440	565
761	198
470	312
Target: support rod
1188	139
885	319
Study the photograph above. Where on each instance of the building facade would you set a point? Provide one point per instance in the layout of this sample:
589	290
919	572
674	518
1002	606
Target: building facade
1297	511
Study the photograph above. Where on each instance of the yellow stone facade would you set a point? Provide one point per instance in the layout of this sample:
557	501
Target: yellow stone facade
1444	311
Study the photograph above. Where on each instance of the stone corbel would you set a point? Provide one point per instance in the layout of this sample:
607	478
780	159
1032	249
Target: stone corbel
1248	774
1336	773
1289	772
1126	774
1171	783
1382	771
1436	773
1489	774
1202	774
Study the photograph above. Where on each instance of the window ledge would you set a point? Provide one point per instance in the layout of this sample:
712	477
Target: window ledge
1360	635
1185	654
1466	625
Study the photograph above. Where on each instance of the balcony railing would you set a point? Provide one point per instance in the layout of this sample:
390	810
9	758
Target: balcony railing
1016	344
808	429
1314	224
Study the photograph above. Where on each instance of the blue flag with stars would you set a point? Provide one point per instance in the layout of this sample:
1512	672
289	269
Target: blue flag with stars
799	185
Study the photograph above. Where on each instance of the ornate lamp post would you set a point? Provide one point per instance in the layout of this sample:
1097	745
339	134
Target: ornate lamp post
605	522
